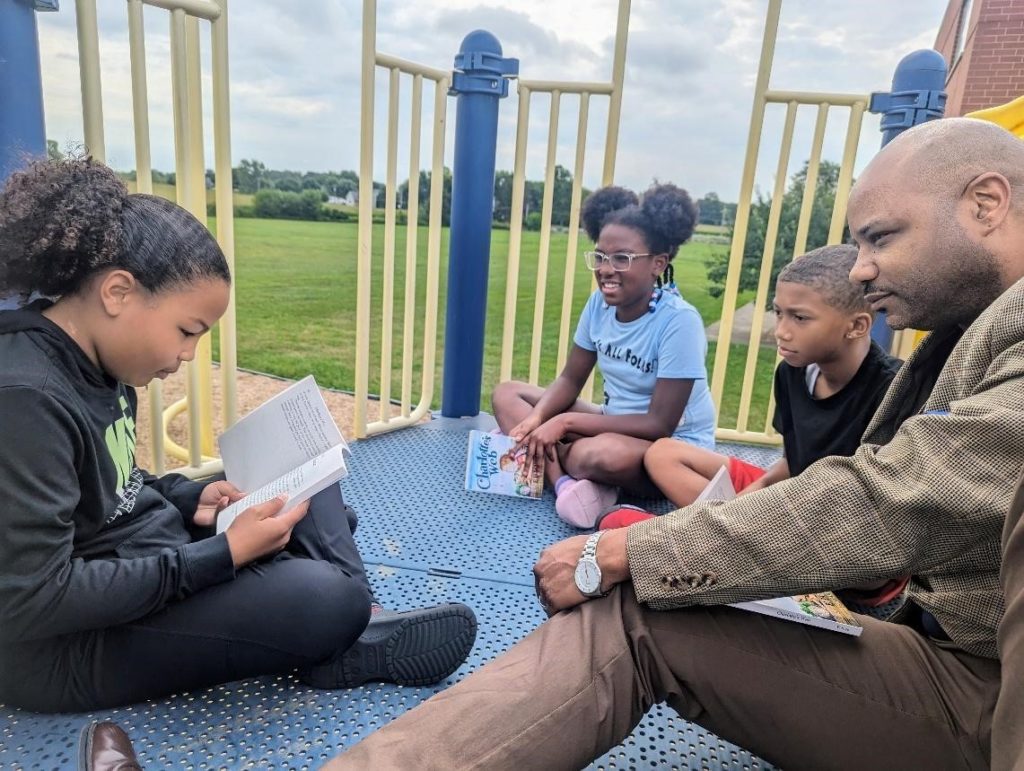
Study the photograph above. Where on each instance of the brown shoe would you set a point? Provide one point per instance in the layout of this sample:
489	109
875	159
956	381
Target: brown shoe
104	746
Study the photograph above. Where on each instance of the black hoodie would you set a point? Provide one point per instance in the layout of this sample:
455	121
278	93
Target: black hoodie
87	539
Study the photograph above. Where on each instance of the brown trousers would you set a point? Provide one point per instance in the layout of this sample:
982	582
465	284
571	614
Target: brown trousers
797	696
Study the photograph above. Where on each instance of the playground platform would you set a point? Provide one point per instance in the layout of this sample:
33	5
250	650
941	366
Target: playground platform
424	541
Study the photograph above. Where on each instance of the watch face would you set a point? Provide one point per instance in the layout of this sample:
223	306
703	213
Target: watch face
588	577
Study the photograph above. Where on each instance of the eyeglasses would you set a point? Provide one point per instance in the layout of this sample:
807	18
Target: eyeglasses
619	261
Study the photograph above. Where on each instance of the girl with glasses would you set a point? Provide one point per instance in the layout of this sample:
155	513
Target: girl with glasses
650	346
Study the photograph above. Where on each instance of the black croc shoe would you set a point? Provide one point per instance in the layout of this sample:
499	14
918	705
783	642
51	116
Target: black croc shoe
409	647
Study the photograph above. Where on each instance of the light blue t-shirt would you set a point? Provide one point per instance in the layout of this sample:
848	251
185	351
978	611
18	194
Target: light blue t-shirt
669	343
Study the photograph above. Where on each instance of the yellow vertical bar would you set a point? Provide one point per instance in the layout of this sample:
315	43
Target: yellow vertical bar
202	400
140	98
545	238
769	429
365	235
144	184
845	181
388	268
183	185
225	208
434	240
807	205
89	72
615	101
732	279
574	234
412	210
179	102
767	260
515	234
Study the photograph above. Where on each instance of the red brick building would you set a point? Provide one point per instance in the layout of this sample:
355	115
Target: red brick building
982	42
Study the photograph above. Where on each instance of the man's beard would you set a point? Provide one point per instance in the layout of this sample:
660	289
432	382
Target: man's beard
954	291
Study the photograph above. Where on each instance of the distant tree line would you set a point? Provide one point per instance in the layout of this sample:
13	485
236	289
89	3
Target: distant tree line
303	195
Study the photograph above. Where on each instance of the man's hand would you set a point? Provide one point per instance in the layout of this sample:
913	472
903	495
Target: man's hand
215	496
554	572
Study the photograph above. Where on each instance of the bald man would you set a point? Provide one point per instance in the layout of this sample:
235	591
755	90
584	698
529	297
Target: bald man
938	217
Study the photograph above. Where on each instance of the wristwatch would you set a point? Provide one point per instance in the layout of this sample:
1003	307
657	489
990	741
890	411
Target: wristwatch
588	572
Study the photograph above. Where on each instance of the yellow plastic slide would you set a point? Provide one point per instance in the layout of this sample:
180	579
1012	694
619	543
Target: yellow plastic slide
1010	116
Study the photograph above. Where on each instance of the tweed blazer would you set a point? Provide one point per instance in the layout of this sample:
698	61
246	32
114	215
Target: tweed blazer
927	498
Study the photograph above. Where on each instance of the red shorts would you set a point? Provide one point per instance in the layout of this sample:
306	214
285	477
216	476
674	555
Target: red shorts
743	474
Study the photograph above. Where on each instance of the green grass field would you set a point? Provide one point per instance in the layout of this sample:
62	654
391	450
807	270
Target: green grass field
296	301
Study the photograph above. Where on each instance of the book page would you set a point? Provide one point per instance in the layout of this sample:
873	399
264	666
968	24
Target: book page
282	433
718	489
299	484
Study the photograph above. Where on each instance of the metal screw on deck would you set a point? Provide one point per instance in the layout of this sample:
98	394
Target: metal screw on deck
917	96
480	80
22	131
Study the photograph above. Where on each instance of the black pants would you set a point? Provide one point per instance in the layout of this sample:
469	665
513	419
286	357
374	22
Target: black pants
295	609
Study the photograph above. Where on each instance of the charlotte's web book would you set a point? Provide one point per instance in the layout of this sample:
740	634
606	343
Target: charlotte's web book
822	609
288	445
495	465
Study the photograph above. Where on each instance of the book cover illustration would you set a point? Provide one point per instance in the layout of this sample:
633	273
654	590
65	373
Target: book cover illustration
495	465
822	609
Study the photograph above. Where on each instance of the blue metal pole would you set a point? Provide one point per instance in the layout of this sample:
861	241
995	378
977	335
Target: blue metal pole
22	131
917	96
480	80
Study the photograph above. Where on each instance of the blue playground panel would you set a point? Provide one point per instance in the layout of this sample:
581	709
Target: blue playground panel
425	541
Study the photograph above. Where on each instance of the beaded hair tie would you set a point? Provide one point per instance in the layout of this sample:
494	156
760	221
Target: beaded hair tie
666	283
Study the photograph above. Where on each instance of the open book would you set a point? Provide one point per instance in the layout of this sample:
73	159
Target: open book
288	445
495	465
822	609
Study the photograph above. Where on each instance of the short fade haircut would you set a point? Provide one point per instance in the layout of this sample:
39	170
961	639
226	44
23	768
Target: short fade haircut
827	271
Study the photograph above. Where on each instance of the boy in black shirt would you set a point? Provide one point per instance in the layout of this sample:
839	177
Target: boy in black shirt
831	379
830	382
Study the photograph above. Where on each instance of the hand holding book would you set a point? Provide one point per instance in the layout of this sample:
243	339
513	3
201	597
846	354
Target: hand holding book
308	452
263	529
215	497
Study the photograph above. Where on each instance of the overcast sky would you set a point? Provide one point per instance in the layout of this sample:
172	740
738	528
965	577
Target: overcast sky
688	90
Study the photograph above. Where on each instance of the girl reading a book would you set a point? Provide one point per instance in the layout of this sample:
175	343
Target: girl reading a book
649	346
113	587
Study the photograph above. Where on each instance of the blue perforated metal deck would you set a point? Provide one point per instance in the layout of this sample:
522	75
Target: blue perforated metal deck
424	541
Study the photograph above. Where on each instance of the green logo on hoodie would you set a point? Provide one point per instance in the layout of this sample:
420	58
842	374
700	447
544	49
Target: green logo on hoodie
121	444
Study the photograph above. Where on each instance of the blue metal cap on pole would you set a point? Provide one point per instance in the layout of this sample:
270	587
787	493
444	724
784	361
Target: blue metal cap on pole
480	80
22	130
917	96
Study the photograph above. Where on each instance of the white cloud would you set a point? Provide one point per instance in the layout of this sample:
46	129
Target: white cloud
687	97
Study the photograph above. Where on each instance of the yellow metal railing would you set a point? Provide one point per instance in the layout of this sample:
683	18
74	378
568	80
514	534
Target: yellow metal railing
557	89
763	96
407	413
527	88
190	173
